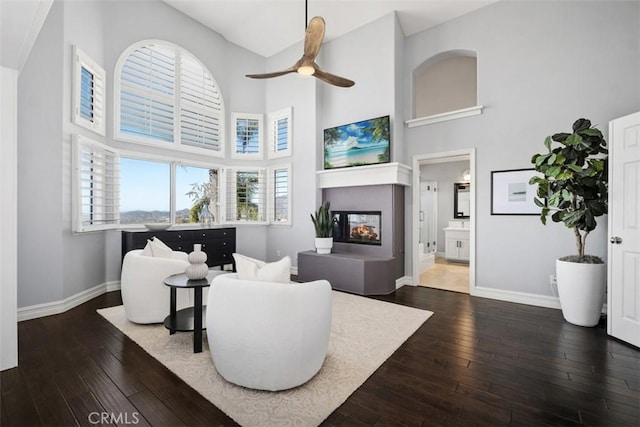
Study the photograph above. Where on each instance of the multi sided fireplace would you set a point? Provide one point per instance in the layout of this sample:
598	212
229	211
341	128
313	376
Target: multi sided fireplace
361	227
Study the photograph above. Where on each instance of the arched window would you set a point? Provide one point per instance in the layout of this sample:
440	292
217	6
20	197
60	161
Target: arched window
445	82
165	96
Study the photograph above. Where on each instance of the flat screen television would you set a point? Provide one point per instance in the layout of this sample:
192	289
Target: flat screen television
367	142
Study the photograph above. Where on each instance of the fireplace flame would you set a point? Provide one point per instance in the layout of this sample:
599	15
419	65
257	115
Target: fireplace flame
364	232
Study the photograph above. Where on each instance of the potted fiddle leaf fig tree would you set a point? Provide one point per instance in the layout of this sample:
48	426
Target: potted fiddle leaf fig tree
324	227
573	189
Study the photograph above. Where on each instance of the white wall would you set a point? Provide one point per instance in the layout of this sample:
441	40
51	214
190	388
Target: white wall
541	65
8	218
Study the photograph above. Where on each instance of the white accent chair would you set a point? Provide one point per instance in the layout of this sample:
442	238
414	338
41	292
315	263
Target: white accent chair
144	296
266	335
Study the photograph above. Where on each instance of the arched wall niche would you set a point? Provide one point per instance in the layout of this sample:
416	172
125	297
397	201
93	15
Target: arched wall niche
445	82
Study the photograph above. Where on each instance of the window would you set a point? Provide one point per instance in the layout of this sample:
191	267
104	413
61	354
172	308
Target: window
145	191
279	125
196	195
247	136
95	193
167	191
166	97
280	195
88	92
246	195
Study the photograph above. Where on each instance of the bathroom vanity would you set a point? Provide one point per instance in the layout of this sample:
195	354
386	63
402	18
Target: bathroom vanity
457	241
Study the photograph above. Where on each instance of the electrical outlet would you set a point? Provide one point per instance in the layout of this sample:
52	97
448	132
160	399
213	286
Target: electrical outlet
552	279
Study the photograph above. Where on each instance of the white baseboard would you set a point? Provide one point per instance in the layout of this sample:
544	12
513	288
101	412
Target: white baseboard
404	280
113	286
518	297
57	307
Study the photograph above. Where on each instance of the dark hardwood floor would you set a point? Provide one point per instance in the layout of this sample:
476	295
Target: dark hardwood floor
475	362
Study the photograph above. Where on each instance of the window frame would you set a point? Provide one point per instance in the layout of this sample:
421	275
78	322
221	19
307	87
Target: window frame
82	60
176	144
234	121
271	194
272	119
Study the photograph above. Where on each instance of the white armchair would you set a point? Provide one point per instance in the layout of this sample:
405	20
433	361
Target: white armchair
144	296
266	335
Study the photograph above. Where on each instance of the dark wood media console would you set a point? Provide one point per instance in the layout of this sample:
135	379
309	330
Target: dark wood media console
218	243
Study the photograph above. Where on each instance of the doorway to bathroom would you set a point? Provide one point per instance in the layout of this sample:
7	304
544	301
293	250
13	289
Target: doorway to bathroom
444	236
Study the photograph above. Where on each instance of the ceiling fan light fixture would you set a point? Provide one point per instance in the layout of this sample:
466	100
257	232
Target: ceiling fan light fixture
306	70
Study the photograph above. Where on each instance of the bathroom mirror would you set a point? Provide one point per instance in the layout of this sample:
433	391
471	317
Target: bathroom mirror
461	200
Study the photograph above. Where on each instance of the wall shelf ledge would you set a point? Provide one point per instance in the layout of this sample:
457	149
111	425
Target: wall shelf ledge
450	115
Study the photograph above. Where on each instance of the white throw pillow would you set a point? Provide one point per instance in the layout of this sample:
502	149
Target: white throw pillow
147	249
253	269
159	249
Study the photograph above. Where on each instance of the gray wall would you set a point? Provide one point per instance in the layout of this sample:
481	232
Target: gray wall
446	174
69	263
446	85
541	65
40	205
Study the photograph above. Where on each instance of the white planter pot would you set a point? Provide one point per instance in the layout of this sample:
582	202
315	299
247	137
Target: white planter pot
324	245
581	288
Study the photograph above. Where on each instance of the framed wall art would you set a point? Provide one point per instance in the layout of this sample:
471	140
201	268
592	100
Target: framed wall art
511	193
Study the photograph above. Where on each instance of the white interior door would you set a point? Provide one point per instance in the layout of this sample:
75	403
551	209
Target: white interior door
623	303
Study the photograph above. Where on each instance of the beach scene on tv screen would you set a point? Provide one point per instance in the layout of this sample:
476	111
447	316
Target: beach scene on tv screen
357	144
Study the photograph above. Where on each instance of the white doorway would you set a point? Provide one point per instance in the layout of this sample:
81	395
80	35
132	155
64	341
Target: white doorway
461	276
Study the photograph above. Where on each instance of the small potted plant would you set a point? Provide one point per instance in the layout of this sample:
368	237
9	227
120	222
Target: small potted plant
574	190
324	227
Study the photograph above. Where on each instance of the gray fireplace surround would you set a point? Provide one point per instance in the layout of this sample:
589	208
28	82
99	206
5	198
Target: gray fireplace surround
359	268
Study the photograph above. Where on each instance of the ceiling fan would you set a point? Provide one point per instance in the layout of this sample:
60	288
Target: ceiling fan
306	65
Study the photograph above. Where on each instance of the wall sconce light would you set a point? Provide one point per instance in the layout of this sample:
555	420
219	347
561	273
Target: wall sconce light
466	176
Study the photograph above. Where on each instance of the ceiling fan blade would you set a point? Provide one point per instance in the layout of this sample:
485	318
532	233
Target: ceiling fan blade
274	74
313	38
332	78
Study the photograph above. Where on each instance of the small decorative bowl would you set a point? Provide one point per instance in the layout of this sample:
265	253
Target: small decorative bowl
157	226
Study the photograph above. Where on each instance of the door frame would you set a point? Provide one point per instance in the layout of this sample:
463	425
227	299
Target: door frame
444	157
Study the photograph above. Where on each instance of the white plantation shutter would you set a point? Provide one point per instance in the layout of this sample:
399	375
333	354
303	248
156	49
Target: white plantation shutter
247	135
167	95
147	92
200	106
279	128
96	185
246	195
88	93
280	195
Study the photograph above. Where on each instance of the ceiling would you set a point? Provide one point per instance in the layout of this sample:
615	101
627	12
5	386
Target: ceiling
266	27
20	23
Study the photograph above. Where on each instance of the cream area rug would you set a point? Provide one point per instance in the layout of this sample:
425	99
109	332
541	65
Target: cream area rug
364	333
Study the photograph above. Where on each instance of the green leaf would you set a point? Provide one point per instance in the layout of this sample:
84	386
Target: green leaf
573	139
552	159
553	171
581	125
547	143
560	137
566	195
538	202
